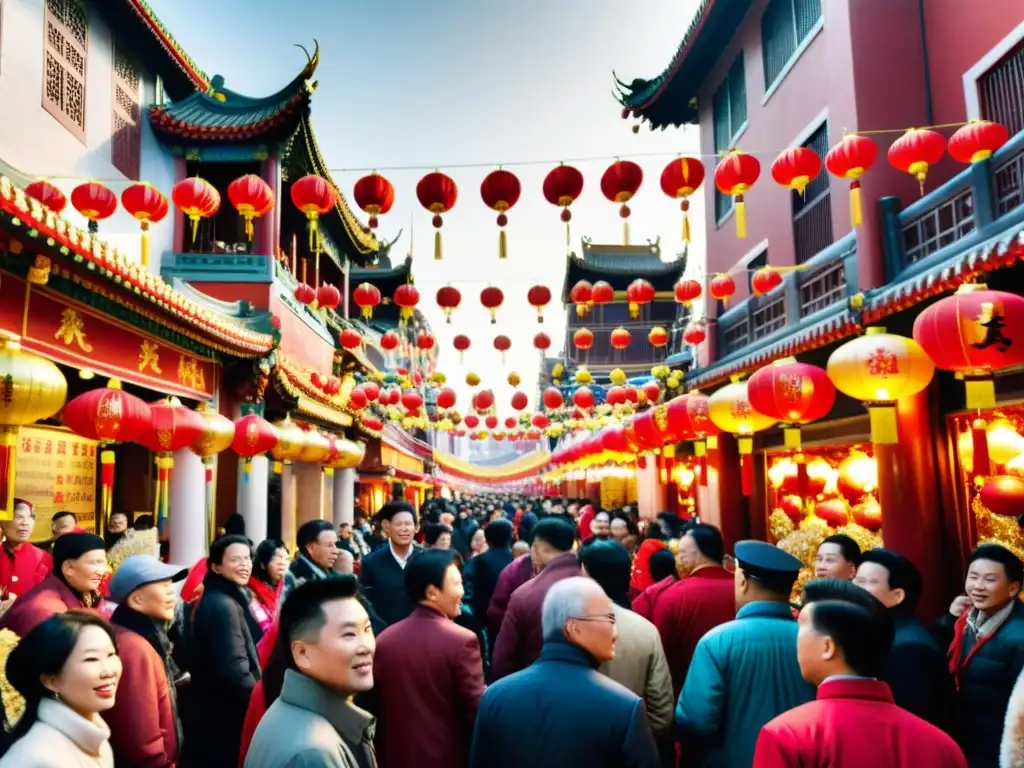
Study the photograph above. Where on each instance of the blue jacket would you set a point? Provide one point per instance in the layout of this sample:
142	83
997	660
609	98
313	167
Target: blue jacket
558	712
743	674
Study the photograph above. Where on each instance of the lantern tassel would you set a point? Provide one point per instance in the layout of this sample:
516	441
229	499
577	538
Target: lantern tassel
791	438
856	207
107	466
686	227
250	230
883	424
195	225
746	447
502	245
367	313
144	249
8	459
625	231
741	217
979	440
981	393
437	246
568	236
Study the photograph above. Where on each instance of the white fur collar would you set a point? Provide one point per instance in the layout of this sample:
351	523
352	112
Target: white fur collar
88	735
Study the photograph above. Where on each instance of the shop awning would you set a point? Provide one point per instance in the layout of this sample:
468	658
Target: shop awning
524	466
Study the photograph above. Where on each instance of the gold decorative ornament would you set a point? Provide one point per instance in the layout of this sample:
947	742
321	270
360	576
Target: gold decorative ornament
291	440
72	330
316	448
218	432
39	272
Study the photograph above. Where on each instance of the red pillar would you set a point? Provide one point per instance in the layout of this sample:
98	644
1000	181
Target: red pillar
731	517
909	495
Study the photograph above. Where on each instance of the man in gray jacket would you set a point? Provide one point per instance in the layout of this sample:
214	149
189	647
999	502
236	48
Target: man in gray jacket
313	724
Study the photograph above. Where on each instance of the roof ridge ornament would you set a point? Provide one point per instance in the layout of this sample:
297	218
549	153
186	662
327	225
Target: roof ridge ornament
311	60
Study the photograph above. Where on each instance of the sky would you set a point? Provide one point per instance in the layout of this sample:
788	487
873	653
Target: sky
409	86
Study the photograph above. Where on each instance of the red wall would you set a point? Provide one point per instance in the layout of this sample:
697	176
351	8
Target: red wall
301	343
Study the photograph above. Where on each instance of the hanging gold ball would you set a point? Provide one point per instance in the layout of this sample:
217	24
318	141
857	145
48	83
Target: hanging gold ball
31	387
218	432
291	440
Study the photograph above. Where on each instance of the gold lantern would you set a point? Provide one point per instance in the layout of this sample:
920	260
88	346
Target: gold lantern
291	442
730	410
218	434
346	454
31	388
316	448
878	369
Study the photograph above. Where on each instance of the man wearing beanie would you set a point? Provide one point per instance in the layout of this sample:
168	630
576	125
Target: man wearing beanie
79	564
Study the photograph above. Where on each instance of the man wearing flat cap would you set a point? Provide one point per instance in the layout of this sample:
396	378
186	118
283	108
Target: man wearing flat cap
79	565
143	722
744	672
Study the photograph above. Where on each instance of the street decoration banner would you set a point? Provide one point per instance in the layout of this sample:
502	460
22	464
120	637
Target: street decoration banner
524	466
56	471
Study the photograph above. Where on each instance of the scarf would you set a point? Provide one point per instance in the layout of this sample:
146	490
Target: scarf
982	628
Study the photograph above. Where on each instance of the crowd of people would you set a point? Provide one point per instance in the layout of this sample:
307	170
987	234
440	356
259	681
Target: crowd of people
498	630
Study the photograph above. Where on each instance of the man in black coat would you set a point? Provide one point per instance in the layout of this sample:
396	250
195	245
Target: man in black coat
916	668
382	573
561	710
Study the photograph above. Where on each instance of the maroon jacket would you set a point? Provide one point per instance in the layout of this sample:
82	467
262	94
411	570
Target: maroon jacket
512	577
687	610
48	597
646	602
426	712
521	636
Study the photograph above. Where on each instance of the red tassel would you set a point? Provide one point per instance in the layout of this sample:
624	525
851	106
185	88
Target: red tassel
802	480
702	464
746	474
979	438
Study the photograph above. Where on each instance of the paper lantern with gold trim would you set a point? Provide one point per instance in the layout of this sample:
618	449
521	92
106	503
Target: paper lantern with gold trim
730	410
878	369
793	393
253	435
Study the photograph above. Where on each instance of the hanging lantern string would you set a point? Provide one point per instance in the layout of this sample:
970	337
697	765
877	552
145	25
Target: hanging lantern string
522	163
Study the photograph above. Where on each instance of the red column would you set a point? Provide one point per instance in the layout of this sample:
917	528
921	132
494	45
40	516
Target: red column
909	496
731	513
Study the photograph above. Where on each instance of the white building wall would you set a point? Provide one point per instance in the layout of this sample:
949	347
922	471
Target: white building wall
36	145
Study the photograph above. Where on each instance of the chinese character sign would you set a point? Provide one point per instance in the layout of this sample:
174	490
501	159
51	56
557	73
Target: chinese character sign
56	470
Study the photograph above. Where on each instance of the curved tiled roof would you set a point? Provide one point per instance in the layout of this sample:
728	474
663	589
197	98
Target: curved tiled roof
170	45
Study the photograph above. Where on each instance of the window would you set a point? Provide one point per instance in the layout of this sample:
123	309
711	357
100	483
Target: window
729	117
1001	91
812	211
66	44
126	135
761	260
784	26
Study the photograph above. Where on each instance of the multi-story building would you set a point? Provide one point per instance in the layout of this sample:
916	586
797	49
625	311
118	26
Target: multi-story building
766	75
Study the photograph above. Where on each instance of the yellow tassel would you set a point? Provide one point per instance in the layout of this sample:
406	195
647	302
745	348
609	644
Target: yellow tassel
195	226
568	239
883	424
791	437
856	210
249	228
686	227
625	231
144	248
741	217
700	448
746	445
981	394
502	245
713	442
437	246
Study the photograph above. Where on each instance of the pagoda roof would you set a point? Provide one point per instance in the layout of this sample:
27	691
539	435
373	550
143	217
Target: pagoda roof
670	98
620	265
382	272
224	115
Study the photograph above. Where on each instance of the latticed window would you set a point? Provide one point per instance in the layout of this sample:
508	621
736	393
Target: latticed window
812	210
1001	91
784	26
65	51
729	116
126	137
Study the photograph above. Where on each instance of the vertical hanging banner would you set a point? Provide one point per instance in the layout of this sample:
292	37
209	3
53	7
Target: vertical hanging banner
56	471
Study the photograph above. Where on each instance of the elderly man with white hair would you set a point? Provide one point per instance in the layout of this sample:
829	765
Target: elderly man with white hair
561	710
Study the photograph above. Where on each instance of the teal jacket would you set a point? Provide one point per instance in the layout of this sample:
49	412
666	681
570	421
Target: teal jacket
743	674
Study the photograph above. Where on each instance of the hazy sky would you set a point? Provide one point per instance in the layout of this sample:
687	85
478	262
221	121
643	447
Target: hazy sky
423	85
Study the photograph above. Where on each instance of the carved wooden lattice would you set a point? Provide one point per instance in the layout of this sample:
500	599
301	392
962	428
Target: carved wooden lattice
65	49
126	136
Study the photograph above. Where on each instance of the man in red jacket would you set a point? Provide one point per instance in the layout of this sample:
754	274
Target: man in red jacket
844	637
22	565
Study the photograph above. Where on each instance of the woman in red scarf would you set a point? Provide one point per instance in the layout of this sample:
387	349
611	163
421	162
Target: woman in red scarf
268	568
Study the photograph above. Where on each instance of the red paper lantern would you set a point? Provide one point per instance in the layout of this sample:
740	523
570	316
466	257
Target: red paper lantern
425	342
977	141
562	186
795	168
328	296
1003	495
553	399
305	294
500	191
253	435
394	396
540	421
195	198
371	390
765	280
734	176
657	337
722	287
437	193
602	293
314	196
520	401
371	422
147	205
619	183
680	179
448	299
503	344
374	195
492	298
491	422
583	339
694	334
94	201
835	512
367	297
972	333
615	396
446	398
389	341
688	291
541	342
412	401
539	297
483	400
108	415
461	344
357	399
511	423
47	194
172	427
651	391
581	295
407	297
850	159
638	293
916	151
350	339
472	421
583	398
252	198
620	338
792	393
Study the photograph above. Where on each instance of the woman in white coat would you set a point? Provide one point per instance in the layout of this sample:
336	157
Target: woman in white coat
67	669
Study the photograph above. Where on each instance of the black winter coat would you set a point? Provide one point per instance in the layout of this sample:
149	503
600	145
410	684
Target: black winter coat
985	688
918	673
383	581
486	567
224	670
561	711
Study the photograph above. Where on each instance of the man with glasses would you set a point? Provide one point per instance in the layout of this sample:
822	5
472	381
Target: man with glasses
22	565
561	710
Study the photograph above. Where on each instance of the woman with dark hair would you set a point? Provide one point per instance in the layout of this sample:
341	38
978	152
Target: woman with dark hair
662	568
224	666
67	669
268	569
